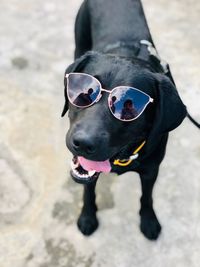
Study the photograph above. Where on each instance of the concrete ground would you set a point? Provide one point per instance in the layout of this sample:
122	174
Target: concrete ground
39	203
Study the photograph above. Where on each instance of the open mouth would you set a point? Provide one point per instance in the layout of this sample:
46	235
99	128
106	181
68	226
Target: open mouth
81	175
85	171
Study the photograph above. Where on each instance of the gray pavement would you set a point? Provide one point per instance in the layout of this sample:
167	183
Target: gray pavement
39	203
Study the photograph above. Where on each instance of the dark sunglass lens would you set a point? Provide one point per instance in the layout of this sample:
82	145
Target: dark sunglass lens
127	103
83	89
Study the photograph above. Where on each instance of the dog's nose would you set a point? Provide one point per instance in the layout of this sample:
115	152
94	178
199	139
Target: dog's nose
83	144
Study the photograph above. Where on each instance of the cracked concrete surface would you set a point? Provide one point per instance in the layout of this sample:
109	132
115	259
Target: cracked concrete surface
39	203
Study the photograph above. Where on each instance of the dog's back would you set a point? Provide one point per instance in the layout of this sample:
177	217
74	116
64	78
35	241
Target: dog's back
124	19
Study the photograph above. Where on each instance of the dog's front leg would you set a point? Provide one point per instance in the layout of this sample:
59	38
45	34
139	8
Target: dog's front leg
87	222
149	224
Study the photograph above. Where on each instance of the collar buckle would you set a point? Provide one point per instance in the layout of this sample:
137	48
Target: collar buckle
135	156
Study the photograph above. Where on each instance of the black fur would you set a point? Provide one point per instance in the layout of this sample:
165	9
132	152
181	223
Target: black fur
99	26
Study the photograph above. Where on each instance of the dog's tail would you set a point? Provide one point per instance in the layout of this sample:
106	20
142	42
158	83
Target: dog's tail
193	120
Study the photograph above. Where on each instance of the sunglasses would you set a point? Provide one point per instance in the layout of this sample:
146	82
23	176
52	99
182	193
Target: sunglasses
125	103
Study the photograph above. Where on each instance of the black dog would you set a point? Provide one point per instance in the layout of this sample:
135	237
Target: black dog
114	45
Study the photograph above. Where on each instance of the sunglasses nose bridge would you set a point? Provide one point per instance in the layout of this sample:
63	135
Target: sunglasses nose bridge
100	94
104	90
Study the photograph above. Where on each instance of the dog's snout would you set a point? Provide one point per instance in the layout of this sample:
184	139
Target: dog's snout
82	143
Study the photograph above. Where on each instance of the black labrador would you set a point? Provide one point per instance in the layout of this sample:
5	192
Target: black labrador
114	45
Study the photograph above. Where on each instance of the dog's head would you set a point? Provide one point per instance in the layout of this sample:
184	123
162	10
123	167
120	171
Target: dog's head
95	134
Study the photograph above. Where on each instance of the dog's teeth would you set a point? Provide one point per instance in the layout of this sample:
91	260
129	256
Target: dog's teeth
74	166
76	172
91	173
85	175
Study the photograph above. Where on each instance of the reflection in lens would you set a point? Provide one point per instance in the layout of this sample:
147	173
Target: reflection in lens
128	112
129	103
83	89
112	103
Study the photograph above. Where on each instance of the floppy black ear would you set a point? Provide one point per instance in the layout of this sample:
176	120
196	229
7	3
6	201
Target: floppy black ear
77	66
170	110
66	105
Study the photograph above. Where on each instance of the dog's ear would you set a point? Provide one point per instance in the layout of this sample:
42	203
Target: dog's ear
170	110
66	105
76	66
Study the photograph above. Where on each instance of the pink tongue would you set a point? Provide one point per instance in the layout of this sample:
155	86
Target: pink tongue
98	166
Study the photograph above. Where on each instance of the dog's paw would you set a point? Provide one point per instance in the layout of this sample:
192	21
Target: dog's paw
87	224
149	225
